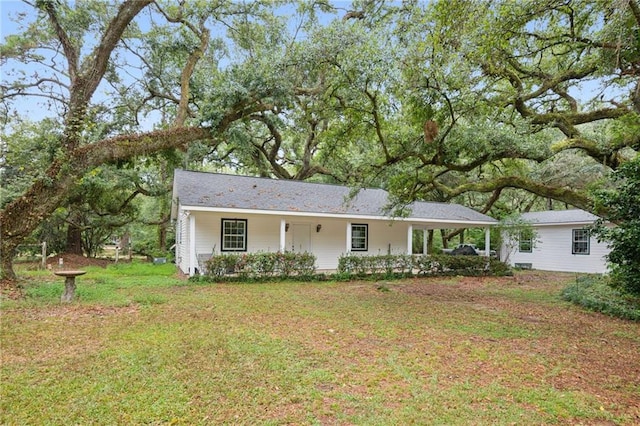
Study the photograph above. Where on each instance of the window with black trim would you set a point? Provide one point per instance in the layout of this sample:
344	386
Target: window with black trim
580	241
525	241
359	237
234	235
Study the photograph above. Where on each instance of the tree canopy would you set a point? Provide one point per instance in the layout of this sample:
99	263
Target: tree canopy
538	98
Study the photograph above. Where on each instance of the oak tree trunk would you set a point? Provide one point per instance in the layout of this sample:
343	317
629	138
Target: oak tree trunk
74	239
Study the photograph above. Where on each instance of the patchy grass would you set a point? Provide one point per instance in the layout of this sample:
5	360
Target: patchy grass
143	346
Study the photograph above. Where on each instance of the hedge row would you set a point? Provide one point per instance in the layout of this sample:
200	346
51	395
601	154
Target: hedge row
261	265
392	264
302	265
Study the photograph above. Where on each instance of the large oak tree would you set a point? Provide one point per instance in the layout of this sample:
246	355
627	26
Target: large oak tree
521	90
70	52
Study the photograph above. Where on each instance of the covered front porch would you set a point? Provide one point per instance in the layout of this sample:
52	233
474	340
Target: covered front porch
203	233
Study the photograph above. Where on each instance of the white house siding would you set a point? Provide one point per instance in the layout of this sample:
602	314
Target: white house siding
182	242
552	252
263	232
385	237
331	242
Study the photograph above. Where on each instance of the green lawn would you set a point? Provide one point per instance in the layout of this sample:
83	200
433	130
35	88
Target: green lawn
141	346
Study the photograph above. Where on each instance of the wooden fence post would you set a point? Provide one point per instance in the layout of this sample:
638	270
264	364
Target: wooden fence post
44	255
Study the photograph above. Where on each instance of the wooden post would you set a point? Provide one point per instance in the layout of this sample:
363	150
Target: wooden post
44	255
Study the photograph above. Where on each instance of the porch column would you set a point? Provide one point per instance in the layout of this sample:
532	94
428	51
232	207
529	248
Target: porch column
283	230
192	245
348	248
487	241
425	240
410	239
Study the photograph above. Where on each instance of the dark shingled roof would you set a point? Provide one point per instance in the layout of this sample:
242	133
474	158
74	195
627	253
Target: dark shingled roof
214	190
550	217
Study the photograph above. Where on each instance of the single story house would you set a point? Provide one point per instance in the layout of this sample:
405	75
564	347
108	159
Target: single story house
220	213
560	241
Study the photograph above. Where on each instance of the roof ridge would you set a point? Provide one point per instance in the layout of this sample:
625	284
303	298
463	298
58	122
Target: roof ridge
264	178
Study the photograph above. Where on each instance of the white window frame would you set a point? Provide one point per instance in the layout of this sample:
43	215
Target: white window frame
580	238
522	238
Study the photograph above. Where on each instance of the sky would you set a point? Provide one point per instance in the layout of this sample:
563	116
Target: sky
8	9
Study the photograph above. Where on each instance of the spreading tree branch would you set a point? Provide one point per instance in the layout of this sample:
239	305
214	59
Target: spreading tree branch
567	195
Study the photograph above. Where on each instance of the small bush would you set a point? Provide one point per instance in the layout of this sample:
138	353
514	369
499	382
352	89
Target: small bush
260	266
595	293
223	264
387	265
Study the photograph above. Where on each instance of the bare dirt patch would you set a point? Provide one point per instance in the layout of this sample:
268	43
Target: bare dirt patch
74	261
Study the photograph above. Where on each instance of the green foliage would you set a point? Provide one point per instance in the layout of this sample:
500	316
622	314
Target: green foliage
26	151
256	266
386	265
511	230
596	293
390	265
622	205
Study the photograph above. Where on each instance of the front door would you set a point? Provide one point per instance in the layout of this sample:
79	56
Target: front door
301	238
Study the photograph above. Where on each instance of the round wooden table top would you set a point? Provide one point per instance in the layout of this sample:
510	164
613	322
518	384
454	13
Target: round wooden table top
69	273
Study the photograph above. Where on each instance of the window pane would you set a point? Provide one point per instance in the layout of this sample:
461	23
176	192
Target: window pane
359	237
580	243
525	243
234	235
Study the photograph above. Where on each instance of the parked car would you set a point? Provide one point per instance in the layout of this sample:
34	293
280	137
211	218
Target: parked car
460	248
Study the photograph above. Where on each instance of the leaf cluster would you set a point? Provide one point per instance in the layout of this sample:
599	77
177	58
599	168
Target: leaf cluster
622	207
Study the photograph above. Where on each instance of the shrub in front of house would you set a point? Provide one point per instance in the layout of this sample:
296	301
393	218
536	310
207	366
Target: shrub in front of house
358	266
378	265
595	293
260	265
469	265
